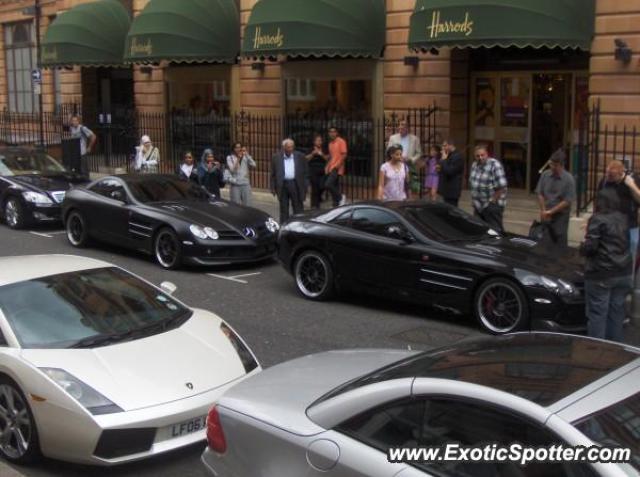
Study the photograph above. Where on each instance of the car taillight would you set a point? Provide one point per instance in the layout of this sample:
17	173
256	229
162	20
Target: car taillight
215	435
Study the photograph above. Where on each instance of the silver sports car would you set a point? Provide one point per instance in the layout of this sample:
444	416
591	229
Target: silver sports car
338	414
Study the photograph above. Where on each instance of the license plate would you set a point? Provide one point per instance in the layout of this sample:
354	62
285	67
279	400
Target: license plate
188	427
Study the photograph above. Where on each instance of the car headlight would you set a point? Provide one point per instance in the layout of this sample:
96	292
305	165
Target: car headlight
91	399
567	288
559	286
203	233
212	234
272	225
246	356
36	198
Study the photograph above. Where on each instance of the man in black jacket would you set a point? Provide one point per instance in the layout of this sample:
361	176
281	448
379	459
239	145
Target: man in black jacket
451	169
608	267
288	179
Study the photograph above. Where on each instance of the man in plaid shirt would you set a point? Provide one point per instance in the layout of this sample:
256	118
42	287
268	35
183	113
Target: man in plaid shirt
488	184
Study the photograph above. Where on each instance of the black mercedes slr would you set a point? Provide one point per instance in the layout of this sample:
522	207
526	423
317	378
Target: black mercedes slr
32	187
438	255
175	221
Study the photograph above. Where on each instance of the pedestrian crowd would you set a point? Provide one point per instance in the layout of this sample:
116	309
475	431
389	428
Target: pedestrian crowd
611	238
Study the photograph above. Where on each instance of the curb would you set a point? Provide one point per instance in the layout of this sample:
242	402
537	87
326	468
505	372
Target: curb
7	471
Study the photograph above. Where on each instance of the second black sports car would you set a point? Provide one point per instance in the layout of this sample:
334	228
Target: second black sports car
177	222
435	254
32	186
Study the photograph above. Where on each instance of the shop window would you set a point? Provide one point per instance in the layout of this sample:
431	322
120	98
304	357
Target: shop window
220	90
333	99
301	89
20	58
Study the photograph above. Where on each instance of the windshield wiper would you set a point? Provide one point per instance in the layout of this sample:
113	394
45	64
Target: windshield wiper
99	340
147	330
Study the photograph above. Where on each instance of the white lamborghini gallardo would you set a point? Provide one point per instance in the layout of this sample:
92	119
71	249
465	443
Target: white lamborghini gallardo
97	366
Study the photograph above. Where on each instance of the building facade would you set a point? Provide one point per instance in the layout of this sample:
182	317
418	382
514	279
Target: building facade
524	100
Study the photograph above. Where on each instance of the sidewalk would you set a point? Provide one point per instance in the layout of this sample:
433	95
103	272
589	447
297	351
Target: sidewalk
7	471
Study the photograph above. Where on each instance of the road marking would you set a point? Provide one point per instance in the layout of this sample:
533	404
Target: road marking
231	279
247	275
236	278
41	234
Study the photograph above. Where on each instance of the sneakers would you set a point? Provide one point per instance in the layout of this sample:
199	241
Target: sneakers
343	200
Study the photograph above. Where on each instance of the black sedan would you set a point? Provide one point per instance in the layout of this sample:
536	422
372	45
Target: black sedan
32	187
175	221
435	254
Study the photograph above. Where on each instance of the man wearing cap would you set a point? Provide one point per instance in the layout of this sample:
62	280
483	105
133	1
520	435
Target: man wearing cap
556	192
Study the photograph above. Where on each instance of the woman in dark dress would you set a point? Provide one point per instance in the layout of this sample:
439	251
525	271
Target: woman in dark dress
210	173
317	160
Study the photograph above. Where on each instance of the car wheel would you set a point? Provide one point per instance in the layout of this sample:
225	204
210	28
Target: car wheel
500	306
167	249
314	276
18	433
14	213
77	233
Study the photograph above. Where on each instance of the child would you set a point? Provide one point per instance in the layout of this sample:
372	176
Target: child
432	176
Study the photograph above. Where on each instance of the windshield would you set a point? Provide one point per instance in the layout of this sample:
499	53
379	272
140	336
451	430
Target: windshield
616	426
60	310
442	222
166	189
28	162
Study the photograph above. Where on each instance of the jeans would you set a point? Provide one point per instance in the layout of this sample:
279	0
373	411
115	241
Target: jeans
605	306
332	184
634	238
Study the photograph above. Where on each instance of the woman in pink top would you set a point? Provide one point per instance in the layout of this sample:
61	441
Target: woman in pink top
393	178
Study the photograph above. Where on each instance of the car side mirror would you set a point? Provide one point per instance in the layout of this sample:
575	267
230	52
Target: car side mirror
168	287
400	233
119	195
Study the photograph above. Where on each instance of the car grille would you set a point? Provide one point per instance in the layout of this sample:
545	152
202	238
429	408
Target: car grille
115	443
58	196
229	235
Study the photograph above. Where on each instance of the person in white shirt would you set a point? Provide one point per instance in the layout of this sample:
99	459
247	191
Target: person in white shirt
289	179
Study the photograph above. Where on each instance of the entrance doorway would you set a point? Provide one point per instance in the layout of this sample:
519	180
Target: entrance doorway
523	117
551	119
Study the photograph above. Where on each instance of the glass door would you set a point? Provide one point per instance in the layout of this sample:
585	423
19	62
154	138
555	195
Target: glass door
501	119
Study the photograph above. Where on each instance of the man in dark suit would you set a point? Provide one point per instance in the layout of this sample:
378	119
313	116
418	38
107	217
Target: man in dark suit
288	179
451	170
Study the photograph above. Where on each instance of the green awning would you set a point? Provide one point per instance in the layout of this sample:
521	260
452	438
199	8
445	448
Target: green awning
185	31
304	28
504	23
90	34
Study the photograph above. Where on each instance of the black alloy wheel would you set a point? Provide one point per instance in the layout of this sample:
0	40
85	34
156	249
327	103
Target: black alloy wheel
500	306
167	249
314	275
76	228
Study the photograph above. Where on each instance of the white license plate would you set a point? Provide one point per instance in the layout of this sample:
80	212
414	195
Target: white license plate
188	427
